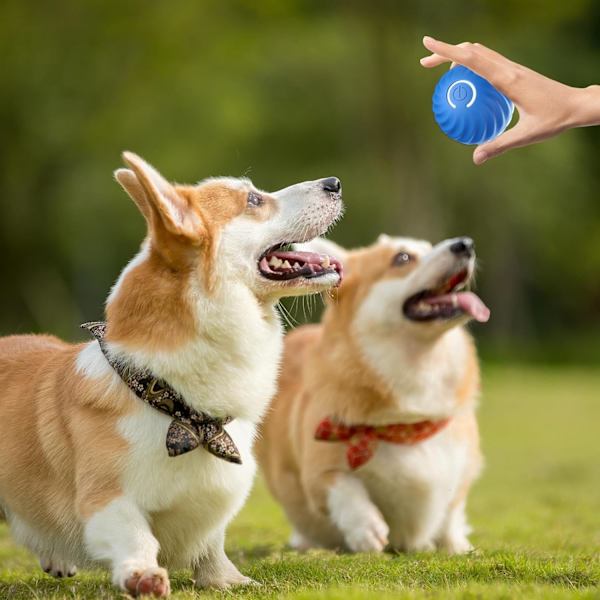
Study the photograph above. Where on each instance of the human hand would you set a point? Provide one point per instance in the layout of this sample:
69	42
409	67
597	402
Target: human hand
546	107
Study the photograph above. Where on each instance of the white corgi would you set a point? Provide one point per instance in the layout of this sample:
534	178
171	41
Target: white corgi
97	458
372	441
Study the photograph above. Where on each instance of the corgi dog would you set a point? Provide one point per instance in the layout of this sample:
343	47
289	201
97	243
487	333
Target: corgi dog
122	451
372	442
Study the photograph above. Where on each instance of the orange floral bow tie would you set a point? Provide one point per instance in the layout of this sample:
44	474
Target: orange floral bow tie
362	440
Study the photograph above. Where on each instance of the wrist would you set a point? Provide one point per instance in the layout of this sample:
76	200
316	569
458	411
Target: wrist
586	109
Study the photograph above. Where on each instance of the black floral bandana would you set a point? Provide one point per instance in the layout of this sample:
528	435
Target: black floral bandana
189	428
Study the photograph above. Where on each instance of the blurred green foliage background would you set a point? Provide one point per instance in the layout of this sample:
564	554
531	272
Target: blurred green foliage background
285	91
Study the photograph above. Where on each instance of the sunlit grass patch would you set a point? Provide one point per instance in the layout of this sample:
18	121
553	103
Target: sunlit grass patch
534	514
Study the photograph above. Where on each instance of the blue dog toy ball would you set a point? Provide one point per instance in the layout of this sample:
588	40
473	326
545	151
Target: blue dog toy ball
468	108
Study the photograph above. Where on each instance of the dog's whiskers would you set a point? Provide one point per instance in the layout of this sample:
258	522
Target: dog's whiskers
287	317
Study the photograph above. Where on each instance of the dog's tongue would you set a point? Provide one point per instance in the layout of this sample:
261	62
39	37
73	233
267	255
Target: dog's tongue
469	302
473	305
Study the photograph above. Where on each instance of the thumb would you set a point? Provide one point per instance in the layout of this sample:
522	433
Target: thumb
513	138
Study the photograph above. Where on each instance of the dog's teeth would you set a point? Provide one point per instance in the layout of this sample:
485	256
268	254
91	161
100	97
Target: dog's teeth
454	300
326	262
273	262
286	265
296	265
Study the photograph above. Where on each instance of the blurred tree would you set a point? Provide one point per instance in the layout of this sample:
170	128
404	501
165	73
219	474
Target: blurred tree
284	92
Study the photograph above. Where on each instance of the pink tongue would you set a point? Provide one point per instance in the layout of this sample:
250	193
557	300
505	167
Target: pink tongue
469	302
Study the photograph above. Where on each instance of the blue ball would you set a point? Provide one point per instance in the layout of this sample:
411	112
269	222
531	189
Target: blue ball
468	108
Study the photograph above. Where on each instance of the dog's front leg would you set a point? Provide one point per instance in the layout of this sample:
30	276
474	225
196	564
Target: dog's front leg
215	570
453	535
344	500
120	534
356	516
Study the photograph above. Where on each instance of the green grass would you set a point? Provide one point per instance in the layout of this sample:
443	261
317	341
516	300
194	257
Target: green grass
535	513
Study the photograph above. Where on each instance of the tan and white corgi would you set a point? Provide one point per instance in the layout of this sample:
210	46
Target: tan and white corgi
86	471
372	441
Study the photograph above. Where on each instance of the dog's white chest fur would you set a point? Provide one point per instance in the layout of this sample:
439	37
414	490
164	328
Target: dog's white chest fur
188	498
230	371
413	486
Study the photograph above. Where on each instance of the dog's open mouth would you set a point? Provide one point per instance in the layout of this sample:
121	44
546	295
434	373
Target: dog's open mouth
447	302
282	263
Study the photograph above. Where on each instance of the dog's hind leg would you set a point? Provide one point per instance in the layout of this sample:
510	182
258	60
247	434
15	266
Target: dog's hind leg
49	549
214	569
57	567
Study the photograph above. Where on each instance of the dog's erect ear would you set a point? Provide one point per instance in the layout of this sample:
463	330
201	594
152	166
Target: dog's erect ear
130	183
157	198
324	246
384	238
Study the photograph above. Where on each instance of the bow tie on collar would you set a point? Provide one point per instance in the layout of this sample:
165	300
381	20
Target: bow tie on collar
189	428
362	440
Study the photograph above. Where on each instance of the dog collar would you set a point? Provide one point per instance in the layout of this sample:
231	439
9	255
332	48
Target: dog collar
362	440
189	428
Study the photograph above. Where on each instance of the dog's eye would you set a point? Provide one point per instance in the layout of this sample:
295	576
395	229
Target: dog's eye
254	199
402	258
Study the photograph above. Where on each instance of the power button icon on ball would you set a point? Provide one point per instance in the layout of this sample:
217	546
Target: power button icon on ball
461	91
468	108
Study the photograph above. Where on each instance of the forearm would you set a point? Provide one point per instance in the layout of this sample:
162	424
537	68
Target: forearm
586	110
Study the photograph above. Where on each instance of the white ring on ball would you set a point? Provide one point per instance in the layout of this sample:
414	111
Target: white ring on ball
473	89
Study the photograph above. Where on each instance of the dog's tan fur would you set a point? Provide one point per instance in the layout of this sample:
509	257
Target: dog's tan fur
327	373
84	472
59	436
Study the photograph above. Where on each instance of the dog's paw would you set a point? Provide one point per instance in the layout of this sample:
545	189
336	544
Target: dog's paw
418	546
370	534
456	545
300	543
225	581
57	568
147	582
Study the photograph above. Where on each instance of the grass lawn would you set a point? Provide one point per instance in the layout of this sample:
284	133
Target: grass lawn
535	514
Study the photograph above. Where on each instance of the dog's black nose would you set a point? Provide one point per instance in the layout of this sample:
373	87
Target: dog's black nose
332	184
463	247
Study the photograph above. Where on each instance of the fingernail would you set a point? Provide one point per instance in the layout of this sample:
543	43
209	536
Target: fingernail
428	38
479	156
